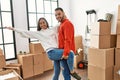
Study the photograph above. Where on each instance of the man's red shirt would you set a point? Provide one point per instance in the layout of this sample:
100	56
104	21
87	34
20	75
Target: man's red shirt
66	37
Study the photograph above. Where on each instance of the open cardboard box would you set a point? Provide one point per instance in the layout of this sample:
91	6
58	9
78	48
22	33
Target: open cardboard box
15	66
8	75
6	69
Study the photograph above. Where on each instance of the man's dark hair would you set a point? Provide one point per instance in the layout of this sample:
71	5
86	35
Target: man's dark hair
59	8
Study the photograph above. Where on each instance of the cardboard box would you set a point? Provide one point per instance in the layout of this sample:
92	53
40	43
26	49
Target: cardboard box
16	67
5	69
38	69
47	63
6	72
38	59
96	73
27	65
117	57
38	63
78	58
102	58
101	41
2	61
36	47
101	28
118	41
113	39
118	27
118	12
116	75
78	42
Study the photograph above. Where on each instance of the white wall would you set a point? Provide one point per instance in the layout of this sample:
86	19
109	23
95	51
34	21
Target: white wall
102	7
77	11
66	7
20	21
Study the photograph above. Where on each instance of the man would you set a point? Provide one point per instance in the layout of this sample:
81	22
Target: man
65	41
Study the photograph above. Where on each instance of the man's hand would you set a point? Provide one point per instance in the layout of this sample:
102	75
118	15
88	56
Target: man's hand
64	57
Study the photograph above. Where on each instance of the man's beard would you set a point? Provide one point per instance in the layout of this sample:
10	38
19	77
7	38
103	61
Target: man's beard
62	19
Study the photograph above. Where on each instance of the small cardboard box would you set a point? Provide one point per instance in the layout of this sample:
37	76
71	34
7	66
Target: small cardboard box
102	58
100	41
101	28
27	65
78	42
96	73
36	47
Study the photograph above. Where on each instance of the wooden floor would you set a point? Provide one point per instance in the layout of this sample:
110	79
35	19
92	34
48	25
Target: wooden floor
48	75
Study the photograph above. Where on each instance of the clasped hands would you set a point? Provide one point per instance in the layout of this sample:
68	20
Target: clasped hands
64	57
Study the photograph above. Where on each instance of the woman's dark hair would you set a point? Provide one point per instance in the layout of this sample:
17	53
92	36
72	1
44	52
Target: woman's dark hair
59	8
38	25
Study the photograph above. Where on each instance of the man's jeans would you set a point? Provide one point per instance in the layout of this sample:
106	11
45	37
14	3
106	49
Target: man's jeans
56	55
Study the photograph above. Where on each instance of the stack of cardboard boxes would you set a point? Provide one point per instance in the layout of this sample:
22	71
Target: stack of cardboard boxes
36	48
35	62
101	52
117	50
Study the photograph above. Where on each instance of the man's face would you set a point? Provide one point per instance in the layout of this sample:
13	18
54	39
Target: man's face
59	15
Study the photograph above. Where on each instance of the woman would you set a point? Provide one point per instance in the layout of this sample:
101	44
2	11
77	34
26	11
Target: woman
48	38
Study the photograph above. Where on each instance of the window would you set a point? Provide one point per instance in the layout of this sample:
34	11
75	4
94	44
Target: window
40	8
7	42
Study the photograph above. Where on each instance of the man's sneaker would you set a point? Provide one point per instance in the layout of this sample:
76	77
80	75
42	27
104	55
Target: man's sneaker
75	75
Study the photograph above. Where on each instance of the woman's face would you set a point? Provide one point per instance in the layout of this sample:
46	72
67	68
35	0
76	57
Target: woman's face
43	24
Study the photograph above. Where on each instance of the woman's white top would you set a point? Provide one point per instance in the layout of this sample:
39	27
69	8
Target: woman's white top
47	37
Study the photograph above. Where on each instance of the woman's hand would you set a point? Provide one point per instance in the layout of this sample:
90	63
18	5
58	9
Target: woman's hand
10	28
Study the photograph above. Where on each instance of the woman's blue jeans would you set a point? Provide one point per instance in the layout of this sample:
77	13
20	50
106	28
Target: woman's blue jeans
67	64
